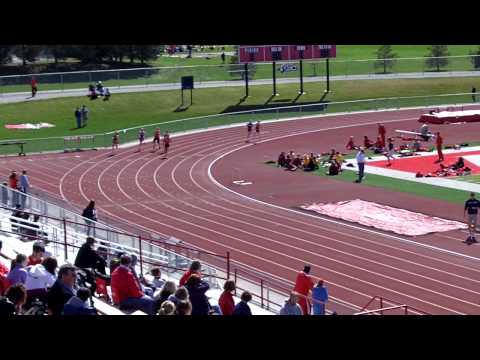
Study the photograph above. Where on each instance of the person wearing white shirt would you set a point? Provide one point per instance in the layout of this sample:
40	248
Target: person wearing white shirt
361	164
40	278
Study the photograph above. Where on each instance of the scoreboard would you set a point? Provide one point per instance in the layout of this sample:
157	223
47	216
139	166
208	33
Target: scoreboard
269	53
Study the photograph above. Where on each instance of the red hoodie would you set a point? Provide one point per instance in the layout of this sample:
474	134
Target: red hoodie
124	285
184	278
226	303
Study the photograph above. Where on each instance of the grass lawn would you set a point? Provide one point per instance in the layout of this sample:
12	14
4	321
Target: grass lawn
342	65
135	109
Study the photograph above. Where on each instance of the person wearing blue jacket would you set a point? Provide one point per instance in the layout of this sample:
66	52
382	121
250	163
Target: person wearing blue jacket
77	305
196	290
320	297
242	307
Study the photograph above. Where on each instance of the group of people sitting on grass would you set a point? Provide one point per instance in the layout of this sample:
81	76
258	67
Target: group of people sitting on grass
311	162
94	91
456	169
291	161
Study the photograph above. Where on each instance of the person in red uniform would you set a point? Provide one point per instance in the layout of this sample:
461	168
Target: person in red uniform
439	143
166	142
33	84
366	142
350	144
303	286
156	138
382	132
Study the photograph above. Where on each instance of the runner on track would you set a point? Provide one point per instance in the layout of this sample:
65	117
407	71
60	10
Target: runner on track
471	207
257	131
249	131
166	142
156	138
115	141
141	138
439	143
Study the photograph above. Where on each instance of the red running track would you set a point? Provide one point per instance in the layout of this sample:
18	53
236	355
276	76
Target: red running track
177	197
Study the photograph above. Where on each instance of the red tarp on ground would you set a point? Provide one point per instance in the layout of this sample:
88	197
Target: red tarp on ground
384	217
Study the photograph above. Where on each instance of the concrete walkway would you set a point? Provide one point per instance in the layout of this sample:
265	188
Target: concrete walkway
50	94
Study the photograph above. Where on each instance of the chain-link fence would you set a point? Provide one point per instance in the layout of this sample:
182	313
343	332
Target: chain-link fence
227	73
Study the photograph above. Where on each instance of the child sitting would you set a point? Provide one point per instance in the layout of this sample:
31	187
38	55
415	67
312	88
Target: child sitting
282	160
350	145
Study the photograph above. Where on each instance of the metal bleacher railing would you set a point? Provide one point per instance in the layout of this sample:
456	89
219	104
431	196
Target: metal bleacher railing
104	140
66	231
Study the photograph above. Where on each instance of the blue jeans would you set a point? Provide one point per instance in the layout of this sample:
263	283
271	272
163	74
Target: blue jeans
144	303
361	169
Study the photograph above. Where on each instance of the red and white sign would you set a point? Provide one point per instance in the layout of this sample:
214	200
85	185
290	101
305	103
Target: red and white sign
269	53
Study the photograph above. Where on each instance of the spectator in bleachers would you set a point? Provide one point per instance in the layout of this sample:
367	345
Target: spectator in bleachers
196	290
78	304
180	295
167	308
226	302
126	290
18	272
195	268
15	298
320	297
62	290
184	308
3	268
168	289
40	278
242	307
38	252
291	306
157	281
144	285
88	258
303	286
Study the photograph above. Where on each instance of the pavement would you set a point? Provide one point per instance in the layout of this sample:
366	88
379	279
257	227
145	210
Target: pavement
51	94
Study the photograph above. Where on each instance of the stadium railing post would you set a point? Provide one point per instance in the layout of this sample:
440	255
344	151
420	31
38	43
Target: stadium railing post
235	280
261	292
65	238
228	265
140	254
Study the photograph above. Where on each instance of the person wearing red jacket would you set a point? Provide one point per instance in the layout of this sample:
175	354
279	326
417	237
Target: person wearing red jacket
350	145
195	268
439	143
126	291
33	84
303	286
226	303
382	132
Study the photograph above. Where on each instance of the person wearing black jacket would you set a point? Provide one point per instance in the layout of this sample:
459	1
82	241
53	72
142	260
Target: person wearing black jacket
89	260
90	213
196	290
62	290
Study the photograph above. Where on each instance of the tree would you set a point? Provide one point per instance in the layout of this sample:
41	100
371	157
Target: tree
5	54
475	59
437	56
60	52
146	52
27	52
385	57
